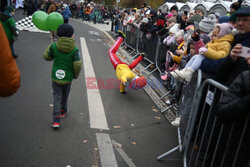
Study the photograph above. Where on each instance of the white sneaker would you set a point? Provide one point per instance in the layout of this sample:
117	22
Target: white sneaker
185	74
176	122
176	76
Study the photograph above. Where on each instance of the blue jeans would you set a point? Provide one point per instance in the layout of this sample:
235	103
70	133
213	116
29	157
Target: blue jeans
60	97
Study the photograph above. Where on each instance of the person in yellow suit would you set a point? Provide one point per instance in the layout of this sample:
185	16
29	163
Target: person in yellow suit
124	71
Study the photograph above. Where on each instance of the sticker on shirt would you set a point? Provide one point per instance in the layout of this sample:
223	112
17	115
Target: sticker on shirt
60	74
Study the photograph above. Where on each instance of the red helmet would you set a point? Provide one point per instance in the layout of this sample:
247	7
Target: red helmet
138	83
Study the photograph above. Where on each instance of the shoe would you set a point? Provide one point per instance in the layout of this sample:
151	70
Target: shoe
185	74
121	34
164	76
63	114
55	125
176	122
143	55
56	122
176	76
123	93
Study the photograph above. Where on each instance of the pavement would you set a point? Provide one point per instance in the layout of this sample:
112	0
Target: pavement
126	131
156	90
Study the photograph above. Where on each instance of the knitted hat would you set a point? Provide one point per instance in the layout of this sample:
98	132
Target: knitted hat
207	25
179	34
138	83
174	8
65	30
225	28
145	20
224	19
195	18
9	9
243	12
170	15
175	29
236	5
200	9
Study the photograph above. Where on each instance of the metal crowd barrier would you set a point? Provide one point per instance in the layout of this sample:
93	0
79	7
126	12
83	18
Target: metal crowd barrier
137	42
186	105
211	142
208	141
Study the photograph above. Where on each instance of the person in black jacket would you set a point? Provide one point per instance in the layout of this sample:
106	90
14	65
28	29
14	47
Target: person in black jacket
234	107
234	64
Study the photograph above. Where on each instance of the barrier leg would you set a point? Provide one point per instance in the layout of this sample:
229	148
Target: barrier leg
167	108
168	153
162	97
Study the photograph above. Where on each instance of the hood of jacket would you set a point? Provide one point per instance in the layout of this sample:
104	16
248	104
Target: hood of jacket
5	16
226	38
65	44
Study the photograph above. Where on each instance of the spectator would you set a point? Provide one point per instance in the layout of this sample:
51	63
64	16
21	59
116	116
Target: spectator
73	9
217	49
234	108
9	27
235	6
66	67
66	14
234	64
52	8
9	73
206	26
200	11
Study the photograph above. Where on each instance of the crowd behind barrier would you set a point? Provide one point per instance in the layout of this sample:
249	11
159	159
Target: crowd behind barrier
203	137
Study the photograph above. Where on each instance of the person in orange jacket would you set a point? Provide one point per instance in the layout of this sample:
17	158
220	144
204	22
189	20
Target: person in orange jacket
9	72
124	71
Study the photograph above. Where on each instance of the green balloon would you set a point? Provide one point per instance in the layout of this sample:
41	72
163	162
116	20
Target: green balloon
54	20
39	18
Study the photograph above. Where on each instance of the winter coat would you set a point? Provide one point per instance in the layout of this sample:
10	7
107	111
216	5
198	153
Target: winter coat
66	13
67	62
217	51
9	72
229	70
52	8
9	25
219	48
235	103
198	45
234	109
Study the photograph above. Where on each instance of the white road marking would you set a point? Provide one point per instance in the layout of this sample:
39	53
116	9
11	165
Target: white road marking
123	155
96	111
106	151
94	32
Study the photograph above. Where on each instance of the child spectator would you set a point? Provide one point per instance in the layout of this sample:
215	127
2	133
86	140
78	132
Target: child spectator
9	26
218	48
66	67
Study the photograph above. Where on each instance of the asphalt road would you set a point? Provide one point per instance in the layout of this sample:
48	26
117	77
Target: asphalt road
27	140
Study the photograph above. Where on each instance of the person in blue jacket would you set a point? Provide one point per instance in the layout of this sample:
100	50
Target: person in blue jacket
66	14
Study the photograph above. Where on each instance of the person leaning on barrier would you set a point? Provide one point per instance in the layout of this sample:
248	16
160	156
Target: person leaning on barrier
234	64
234	108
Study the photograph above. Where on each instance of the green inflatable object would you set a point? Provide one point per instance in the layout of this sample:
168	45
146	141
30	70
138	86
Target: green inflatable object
54	20
39	18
